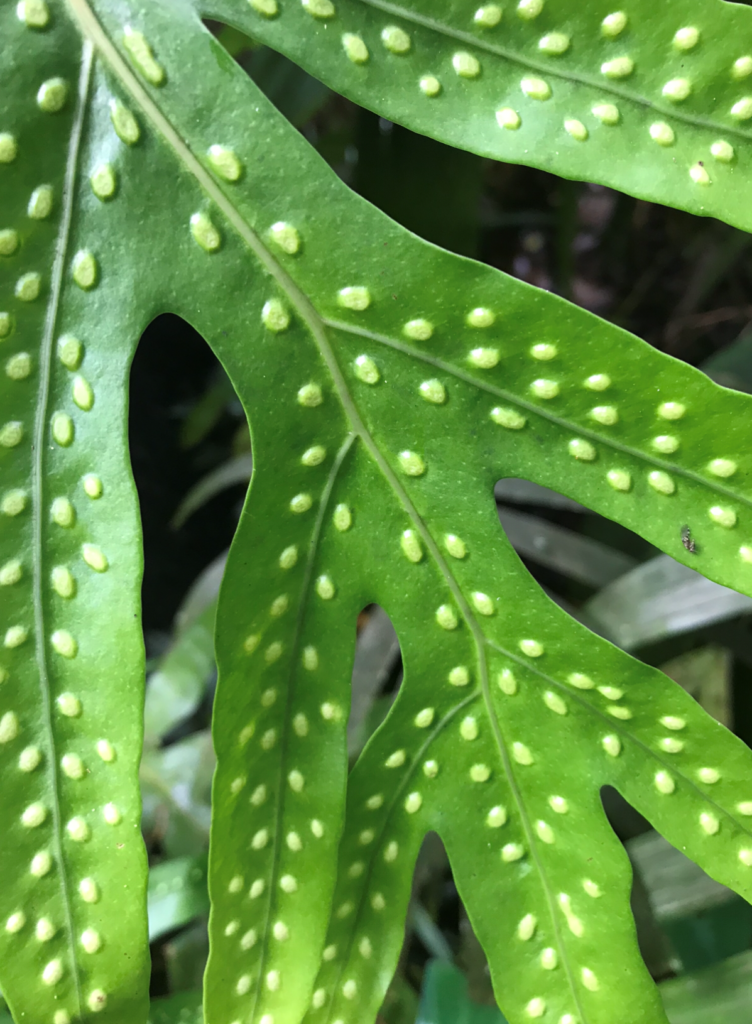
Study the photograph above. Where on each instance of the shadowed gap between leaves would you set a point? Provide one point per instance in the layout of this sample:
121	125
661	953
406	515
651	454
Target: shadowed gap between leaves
184	419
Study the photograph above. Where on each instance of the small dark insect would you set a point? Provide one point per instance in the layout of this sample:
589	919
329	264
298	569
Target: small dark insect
686	539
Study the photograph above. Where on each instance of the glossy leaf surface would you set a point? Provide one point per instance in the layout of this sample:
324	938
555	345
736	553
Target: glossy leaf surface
578	88
72	861
389	385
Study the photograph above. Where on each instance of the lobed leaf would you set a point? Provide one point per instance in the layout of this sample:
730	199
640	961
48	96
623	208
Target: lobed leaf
652	100
391	384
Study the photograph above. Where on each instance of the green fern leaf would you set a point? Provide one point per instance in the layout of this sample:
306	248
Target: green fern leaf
71	664
578	88
390	385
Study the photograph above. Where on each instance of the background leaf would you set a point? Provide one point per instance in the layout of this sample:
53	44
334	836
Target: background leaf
183	1008
658	598
177	687
717	995
570	87
236	471
177	894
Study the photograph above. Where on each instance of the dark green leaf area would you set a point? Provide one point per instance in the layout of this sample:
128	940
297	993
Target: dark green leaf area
73	938
578	89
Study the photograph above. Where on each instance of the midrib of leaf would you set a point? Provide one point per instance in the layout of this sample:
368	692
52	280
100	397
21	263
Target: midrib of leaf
547	69
41	427
531	407
305	591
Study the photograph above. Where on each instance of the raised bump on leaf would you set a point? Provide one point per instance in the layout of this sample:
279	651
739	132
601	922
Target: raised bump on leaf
508	118
355	48
395	39
618	67
52	95
142	55
430	85
41	203
536	88
488	16
34	13
18	367
465	64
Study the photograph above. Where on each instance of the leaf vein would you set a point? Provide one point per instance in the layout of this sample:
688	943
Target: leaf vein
615	726
284	740
537	410
38	477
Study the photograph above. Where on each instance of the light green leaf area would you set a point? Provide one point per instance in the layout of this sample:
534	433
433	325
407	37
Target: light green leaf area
652	99
390	385
72	863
